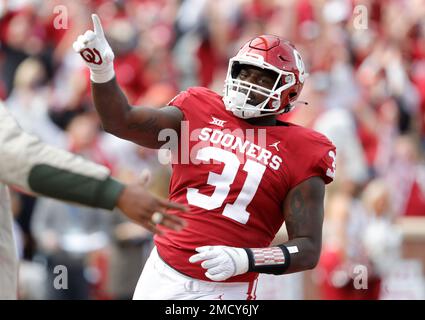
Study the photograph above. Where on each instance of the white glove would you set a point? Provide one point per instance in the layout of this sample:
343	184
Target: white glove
221	262
96	52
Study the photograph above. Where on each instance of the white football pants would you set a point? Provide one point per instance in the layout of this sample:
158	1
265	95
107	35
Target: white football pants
159	281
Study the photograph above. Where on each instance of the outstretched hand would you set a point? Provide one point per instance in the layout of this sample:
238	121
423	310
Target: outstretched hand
149	211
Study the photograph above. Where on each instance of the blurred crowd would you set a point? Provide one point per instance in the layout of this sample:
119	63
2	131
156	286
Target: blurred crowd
365	91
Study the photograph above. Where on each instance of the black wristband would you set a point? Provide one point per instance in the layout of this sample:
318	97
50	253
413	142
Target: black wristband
273	260
287	256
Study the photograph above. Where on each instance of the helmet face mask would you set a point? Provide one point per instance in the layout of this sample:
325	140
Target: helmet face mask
276	100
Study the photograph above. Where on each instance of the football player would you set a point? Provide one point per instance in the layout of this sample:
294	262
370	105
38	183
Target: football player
34	166
240	187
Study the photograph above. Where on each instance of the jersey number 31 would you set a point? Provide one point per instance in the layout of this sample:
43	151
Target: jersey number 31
236	211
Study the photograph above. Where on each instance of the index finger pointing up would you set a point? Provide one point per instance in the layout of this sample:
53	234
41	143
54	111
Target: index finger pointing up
97	25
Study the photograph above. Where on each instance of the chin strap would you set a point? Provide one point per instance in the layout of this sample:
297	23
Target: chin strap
246	114
239	98
291	106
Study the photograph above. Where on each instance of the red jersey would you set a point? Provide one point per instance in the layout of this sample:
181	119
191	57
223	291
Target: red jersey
234	177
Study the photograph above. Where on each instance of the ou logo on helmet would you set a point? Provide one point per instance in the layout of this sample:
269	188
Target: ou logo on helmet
300	65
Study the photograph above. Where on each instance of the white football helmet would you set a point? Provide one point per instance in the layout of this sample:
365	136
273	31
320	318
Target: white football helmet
270	53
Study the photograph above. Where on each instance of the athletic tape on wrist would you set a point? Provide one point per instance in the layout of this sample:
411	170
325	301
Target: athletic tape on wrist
102	76
272	260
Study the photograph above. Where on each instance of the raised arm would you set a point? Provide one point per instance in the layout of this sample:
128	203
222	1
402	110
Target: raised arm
138	124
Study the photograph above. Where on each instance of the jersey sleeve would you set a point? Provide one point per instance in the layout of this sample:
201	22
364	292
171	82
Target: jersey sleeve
196	104
326	165
317	160
181	101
